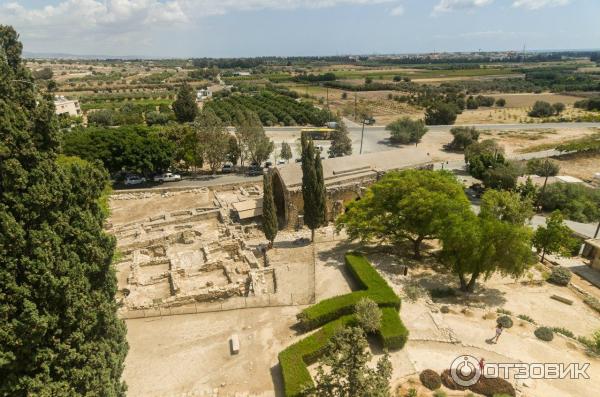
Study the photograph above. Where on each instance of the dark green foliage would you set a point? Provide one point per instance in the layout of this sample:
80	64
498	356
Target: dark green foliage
159	118
485	161
271	107
313	186
472	103
591	104
344	368
592	302
233	150
542	109
185	105
576	202
392	333
505	321
286	151
372	285
491	387
430	379
131	149
341	144
527	318
406	130
542	167
503	176
560	276
409	205
564	331
441	113
59	331
558	107
463	137
269	215
544	333
486	101
43	74
500	102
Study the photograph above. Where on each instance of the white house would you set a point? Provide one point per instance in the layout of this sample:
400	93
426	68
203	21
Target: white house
203	94
67	106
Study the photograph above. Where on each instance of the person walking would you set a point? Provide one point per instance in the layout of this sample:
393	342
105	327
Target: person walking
499	329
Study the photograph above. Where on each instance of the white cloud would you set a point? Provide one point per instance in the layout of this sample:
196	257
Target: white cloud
114	18
454	5
397	11
537	4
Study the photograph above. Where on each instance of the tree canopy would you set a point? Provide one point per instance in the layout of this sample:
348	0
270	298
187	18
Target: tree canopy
269	215
185	107
441	113
410	205
59	334
554	237
313	186
341	144
406	130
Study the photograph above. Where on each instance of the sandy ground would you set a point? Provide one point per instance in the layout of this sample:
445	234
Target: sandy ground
582	166
123	211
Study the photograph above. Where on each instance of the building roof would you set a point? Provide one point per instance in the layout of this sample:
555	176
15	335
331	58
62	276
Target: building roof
248	208
338	170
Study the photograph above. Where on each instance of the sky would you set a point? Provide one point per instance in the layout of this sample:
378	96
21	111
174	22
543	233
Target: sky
244	28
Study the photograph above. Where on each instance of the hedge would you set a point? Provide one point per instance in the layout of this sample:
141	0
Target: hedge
373	287
392	333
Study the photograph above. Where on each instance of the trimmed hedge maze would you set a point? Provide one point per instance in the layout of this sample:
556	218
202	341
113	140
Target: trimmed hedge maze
337	312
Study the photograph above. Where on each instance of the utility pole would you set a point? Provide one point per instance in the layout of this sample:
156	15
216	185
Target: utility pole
355	106
327	89
597	230
362	135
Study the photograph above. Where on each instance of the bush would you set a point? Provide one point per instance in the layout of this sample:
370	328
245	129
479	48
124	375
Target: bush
463	137
500	102
503	311
493	386
592	302
505	321
449	382
368	315
373	285
440	113
541	109
542	167
392	333
430	379
544	333
558	107
405	130
564	331
560	276
486	101
445	309
525	317
439	393
576	202
441	293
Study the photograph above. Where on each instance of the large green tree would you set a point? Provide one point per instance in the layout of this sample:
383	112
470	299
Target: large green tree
410	205
254	143
269	215
59	332
313	186
555	237
286	151
406	130
341	144
479	246
214	138
185	107
344	370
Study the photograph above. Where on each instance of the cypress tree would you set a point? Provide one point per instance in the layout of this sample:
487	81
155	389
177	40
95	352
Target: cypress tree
184	107
269	215
59	332
313	189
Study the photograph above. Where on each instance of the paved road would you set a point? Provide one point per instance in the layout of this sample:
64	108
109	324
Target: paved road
376	137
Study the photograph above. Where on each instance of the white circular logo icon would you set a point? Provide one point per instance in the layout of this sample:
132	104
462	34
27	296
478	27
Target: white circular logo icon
465	370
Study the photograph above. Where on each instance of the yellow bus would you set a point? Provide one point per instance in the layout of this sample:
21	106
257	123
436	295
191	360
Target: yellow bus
320	133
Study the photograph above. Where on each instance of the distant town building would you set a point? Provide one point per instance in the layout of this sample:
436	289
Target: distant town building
203	94
241	73
67	106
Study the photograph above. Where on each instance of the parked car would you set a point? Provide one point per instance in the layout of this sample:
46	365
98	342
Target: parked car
281	162
268	164
167	177
134	180
227	168
370	121
255	171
